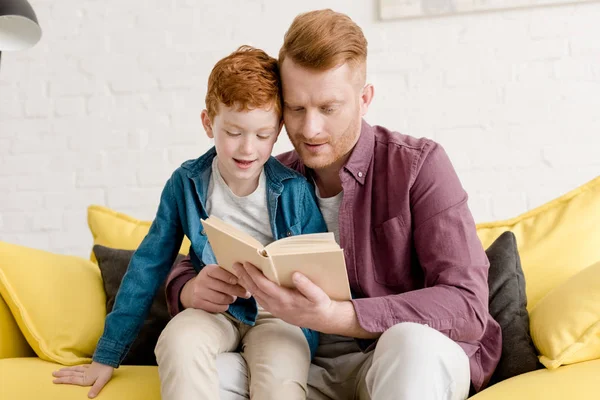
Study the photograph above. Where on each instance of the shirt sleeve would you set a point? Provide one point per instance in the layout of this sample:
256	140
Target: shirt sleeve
147	269
179	276
454	299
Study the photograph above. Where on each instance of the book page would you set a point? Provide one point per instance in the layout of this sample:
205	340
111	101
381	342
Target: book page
231	246
325	269
305	243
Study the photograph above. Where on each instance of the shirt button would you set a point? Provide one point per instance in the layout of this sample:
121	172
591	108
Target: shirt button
360	174
203	232
289	233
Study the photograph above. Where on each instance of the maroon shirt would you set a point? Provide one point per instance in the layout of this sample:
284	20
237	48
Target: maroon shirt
410	243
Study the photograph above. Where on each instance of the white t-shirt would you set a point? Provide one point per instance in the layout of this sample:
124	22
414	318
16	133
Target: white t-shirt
248	213
330	208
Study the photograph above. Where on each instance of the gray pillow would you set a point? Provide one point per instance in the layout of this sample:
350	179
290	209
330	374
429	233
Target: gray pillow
113	265
508	306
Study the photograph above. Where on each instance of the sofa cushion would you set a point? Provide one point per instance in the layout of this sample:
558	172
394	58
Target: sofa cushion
553	239
577	381
119	231
31	378
57	300
12	342
508	306
565	325
113	264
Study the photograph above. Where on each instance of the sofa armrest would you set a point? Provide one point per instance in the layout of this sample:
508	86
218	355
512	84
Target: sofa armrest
12	341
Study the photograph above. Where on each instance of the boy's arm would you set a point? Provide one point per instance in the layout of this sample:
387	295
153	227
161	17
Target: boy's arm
147	269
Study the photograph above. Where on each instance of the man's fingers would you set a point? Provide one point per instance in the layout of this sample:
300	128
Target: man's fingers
311	291
260	284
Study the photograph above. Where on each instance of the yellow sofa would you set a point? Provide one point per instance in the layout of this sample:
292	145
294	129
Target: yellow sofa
559	245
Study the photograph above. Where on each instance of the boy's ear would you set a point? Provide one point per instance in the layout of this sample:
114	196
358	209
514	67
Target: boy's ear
206	122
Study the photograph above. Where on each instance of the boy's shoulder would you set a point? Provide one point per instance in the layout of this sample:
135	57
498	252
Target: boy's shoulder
196	166
280	172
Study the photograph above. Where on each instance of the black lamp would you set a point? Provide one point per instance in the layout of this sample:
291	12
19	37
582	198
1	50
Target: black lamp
19	28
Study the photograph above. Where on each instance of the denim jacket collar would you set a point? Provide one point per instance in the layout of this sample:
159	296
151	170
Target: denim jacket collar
199	171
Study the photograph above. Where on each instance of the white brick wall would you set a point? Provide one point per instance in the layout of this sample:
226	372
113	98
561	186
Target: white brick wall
107	105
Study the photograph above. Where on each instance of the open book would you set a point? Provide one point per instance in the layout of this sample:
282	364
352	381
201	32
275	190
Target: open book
316	255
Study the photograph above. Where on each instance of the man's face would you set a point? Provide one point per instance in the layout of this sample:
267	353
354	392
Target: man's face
322	112
244	141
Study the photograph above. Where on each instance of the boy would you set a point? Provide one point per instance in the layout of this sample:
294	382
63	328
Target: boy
239	182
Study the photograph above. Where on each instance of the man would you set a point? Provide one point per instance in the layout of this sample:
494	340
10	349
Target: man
417	270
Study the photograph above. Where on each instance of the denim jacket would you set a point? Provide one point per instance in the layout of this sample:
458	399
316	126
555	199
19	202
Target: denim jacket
292	209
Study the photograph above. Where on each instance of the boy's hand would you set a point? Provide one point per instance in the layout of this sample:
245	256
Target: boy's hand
212	290
95	375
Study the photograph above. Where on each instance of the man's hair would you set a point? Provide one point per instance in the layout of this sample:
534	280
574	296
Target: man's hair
324	39
248	79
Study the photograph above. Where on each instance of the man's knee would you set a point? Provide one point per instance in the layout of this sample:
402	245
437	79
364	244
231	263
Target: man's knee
407	335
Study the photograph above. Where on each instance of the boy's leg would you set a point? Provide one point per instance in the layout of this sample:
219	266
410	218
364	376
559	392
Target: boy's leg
278	358
187	350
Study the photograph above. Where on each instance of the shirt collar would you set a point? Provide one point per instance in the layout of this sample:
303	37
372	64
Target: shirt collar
362	153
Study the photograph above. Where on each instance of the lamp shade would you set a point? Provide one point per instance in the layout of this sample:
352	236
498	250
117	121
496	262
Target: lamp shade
19	28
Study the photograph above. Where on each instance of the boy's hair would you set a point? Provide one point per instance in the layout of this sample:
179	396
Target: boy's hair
248	78
324	39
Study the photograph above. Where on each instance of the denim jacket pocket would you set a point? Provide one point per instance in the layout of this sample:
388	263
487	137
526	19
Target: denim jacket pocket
392	253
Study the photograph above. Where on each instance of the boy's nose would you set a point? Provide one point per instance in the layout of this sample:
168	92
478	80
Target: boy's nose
247	146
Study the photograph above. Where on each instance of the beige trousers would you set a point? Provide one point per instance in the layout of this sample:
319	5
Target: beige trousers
411	361
276	355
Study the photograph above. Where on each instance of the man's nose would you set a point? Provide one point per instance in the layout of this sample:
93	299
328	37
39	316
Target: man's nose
313	125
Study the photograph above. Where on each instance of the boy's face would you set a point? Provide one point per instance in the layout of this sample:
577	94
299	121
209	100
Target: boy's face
244	141
322	111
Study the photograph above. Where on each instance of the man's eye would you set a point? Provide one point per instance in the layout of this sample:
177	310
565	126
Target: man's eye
328	110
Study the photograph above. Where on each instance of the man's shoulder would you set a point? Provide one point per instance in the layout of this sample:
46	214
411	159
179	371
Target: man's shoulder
393	139
407	153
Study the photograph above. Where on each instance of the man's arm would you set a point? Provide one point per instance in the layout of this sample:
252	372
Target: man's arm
454	299
180	274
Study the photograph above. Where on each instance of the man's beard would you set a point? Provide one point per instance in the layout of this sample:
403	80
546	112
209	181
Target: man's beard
339	148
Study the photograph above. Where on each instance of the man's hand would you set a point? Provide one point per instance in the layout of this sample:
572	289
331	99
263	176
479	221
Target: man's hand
212	290
95	375
307	306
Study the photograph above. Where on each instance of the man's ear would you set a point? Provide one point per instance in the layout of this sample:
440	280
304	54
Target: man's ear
206	122
368	91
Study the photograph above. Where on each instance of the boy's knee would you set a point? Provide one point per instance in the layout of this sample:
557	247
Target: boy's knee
183	335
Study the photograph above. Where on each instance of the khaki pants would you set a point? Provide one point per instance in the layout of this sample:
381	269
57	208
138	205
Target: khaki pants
411	361
276	354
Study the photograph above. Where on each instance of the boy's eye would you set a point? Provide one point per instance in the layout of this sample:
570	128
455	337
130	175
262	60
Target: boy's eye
233	133
264	136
